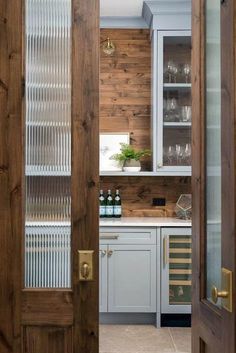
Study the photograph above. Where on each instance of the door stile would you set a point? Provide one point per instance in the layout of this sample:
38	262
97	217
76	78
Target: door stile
11	167
228	136
212	327
85	168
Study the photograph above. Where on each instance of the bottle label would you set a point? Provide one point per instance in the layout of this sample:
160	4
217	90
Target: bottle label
109	210
117	210
102	210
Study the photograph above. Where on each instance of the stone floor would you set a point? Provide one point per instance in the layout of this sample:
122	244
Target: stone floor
140	339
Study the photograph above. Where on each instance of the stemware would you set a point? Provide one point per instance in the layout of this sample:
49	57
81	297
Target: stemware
171	70
187	72
186	113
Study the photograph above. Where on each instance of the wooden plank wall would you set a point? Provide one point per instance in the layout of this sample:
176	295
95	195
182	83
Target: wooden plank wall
125	86
125	105
137	193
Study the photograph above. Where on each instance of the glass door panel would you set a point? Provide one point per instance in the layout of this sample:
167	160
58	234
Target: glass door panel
176	113
180	270
213	145
48	144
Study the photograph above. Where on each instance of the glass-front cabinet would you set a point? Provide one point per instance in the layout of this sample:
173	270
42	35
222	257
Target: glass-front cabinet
173	126
176	270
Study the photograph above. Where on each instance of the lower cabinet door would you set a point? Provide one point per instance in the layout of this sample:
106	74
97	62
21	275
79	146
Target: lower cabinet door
176	274
103	279
132	278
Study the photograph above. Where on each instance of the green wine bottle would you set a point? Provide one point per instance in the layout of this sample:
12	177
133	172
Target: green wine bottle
102	205
117	205
109	205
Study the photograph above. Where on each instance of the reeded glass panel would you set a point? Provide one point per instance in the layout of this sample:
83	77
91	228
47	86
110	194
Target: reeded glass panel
213	145
48	144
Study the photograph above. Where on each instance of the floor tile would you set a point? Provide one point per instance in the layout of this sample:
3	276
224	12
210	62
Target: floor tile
144	339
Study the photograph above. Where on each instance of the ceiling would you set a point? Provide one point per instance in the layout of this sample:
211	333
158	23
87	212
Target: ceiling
122	8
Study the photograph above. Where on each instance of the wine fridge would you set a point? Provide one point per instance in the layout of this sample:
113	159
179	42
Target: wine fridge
176	270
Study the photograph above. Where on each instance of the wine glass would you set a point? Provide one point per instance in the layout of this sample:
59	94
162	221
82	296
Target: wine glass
170	155
187	72
171	70
179	154
186	113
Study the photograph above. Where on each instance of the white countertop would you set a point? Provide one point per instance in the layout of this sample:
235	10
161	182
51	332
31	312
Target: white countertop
145	222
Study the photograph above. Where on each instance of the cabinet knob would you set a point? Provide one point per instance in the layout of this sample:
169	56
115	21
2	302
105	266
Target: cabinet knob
103	253
110	252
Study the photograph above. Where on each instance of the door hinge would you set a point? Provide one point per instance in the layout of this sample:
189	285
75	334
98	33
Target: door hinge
23	87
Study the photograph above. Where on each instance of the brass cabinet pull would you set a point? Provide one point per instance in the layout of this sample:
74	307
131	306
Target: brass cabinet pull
107	236
110	252
165	251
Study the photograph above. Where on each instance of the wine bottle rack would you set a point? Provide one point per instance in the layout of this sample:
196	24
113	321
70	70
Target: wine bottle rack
180	270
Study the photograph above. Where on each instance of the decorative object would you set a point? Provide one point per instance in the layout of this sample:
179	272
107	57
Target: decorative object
129	158
108	47
110	145
184	206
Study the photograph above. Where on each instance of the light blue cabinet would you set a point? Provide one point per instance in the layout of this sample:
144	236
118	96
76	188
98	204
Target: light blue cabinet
132	278
128	270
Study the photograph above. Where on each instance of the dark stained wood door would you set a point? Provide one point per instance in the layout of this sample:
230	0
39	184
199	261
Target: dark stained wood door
213	181
44	317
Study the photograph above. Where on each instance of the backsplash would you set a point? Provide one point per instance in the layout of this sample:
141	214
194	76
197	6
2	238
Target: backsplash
137	193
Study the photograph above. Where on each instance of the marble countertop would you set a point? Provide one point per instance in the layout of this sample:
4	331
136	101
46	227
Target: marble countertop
145	222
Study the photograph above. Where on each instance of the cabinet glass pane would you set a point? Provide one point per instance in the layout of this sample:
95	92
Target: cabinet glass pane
180	270
177	110
48	143
213	145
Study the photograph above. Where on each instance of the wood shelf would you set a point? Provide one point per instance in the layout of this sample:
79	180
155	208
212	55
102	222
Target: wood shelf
180	241
180	272
180	283
180	251
180	261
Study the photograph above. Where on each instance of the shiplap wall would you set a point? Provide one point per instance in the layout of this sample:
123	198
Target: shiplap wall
125	106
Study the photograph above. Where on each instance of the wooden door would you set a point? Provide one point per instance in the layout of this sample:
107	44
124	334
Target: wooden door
49	89
214	188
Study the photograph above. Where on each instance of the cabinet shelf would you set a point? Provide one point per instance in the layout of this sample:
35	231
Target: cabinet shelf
177	124
180	251
180	272
173	86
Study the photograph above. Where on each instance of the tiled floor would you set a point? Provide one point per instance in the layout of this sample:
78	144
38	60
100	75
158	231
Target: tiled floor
144	339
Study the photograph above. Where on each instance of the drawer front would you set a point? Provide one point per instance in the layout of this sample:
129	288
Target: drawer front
128	235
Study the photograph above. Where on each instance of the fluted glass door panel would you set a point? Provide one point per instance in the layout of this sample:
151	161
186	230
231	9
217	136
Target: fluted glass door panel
48	144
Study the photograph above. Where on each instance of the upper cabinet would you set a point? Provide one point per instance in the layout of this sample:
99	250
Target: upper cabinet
170	23
173	94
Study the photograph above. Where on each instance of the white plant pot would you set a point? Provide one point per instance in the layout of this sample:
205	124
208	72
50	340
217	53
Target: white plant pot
132	166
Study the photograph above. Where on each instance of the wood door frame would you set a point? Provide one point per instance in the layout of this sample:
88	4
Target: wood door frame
17	306
210	324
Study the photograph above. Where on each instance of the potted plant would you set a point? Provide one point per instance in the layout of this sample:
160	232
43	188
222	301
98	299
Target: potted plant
129	158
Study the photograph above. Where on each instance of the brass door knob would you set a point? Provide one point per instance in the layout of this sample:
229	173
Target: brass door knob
85	270
216	294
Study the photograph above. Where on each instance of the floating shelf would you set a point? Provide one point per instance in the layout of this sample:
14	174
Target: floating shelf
165	171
